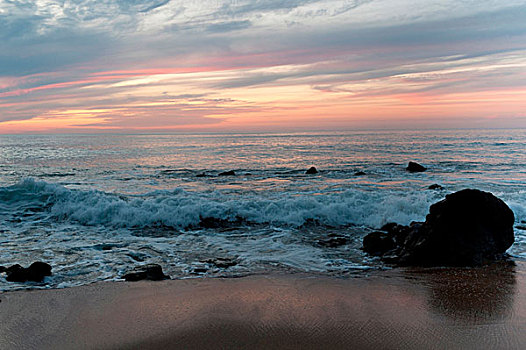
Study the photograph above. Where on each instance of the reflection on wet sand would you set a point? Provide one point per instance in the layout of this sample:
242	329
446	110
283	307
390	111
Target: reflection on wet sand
471	295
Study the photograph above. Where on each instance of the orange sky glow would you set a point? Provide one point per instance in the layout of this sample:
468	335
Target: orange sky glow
259	73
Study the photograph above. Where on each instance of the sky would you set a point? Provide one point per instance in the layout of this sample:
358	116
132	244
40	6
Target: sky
273	65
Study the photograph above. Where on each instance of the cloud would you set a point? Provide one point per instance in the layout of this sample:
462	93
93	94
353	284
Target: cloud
210	58
228	26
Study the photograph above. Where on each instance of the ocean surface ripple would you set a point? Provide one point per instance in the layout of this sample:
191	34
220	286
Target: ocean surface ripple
94	206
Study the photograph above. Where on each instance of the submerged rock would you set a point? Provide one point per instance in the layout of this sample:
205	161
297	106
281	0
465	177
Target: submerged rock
413	167
228	173
312	170
34	273
221	263
151	272
332	241
467	228
435	187
359	173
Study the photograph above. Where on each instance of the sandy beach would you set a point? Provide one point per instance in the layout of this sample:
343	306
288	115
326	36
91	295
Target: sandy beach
481	308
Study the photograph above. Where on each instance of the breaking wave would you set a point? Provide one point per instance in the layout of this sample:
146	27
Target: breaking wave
181	209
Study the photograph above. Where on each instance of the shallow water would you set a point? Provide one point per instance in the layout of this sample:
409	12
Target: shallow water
95	205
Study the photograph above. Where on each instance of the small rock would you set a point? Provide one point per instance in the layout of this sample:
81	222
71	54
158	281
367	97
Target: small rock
333	242
359	173
12	268
413	167
228	173
378	243
221	263
312	170
150	272
200	270
435	187
201	175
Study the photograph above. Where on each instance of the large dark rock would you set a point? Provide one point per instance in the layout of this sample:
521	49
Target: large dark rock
34	273
151	272
228	173
413	167
467	228
311	170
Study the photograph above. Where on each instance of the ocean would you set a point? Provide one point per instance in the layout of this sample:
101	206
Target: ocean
95	206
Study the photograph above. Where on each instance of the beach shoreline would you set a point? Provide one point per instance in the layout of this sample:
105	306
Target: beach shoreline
406	308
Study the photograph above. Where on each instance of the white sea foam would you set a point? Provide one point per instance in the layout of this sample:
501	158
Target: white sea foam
183	209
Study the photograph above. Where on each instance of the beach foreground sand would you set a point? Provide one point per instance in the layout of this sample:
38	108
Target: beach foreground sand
483	308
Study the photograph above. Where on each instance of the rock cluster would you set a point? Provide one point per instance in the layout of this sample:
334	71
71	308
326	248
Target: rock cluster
34	273
467	228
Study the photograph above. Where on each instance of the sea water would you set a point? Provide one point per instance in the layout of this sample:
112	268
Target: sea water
95	206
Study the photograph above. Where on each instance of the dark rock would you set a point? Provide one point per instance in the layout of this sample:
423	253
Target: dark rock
228	173
2	269
378	243
521	228
40	268
359	173
435	187
389	227
467	228
211	222
413	167
151	272
200	270
201	175
12	268
221	263
312	170
333	242
399	232
34	273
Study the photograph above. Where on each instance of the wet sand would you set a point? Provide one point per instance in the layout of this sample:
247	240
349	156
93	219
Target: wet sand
483	308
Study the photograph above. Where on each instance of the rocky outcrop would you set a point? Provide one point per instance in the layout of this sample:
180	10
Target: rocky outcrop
413	167
34	273
435	187
150	272
227	173
467	228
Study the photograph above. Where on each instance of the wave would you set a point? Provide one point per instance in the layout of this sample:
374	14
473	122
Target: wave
181	209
